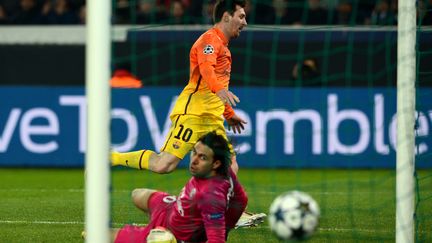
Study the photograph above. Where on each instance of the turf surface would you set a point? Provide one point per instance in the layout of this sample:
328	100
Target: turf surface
47	205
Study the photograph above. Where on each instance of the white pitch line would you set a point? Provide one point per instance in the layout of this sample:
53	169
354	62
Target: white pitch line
354	230
50	190
119	224
333	193
54	222
342	230
40	190
39	222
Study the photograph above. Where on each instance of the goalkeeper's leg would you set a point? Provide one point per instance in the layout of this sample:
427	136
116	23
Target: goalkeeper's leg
141	196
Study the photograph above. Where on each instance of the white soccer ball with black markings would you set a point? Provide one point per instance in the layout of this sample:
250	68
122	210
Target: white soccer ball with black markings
294	215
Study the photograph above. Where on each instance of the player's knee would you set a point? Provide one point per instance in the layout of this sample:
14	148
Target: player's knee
166	164
165	168
135	195
140	197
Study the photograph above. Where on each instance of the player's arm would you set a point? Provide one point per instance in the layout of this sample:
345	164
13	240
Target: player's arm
212	206
207	53
228	97
237	204
235	122
207	71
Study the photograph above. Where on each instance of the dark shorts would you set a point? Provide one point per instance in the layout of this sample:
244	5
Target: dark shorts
159	206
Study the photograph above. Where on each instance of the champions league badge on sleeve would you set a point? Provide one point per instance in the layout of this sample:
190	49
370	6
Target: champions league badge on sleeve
208	49
215	216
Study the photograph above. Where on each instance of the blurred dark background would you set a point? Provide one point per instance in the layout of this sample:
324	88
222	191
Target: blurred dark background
287	42
289	12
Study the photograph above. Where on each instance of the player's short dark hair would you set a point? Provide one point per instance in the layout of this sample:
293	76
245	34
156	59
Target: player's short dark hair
221	150
223	6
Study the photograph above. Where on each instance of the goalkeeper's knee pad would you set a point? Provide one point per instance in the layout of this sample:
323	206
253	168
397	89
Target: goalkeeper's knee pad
161	235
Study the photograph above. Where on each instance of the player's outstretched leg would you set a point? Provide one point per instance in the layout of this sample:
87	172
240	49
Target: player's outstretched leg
135	159
146	160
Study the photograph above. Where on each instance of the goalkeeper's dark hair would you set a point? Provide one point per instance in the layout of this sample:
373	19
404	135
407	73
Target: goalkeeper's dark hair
221	150
223	6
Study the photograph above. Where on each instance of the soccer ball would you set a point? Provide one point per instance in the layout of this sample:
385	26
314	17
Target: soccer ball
294	215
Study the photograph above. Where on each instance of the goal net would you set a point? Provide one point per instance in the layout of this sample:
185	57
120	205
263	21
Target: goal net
318	87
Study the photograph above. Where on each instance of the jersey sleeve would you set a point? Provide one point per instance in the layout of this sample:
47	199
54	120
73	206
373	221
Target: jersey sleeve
213	206
237	203
229	112
208	49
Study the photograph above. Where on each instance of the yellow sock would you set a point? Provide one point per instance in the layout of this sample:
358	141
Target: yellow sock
135	159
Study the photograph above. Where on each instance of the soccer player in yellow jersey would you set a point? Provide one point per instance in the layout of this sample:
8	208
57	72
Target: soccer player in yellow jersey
205	101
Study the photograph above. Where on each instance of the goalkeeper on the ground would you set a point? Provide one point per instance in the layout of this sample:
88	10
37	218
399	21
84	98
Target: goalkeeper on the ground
208	207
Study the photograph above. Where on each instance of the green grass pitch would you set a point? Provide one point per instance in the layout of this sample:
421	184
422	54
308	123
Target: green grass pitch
47	205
